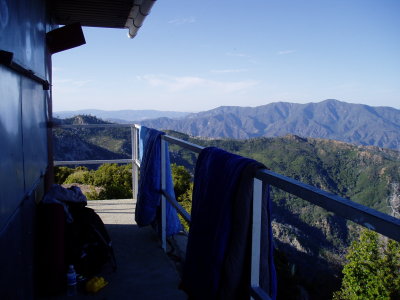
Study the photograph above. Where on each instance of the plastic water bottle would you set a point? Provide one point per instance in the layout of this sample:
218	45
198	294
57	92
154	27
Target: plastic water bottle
71	281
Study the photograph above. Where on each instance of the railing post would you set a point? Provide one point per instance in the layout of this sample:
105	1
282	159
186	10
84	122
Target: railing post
163	199
256	233
135	158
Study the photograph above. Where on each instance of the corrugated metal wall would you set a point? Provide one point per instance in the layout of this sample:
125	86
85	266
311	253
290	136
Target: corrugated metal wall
23	138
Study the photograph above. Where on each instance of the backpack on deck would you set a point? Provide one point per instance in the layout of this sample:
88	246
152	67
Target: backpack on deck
88	245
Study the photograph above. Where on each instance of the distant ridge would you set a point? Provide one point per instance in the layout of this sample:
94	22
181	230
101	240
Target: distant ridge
121	116
329	119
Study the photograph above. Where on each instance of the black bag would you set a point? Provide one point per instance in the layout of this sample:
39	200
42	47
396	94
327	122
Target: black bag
88	245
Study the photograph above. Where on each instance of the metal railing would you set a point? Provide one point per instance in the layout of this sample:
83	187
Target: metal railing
134	146
350	210
360	214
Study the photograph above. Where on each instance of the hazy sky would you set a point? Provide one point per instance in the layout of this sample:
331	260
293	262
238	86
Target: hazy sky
198	55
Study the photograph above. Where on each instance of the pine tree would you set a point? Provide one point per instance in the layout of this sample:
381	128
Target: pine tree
372	271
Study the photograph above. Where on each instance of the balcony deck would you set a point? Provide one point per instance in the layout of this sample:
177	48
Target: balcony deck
144	271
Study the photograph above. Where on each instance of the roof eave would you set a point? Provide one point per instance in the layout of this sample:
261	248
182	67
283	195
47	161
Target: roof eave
128	14
137	15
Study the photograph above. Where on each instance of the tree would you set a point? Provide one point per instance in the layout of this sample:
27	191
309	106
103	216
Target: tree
182	181
116	181
61	174
183	188
80	175
372	270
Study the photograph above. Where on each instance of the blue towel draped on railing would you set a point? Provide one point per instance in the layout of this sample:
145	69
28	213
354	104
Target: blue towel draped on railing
149	190
218	257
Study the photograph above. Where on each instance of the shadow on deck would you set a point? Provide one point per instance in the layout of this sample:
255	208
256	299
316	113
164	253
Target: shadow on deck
144	270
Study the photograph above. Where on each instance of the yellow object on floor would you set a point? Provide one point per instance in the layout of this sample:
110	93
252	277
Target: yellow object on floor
95	284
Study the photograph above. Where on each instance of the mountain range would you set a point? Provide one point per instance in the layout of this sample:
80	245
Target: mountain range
121	116
329	119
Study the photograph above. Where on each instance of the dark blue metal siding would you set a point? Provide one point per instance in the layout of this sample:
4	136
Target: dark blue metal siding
23	102
23	140
34	131
17	242
23	30
11	151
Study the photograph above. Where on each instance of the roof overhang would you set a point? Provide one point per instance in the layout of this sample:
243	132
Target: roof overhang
102	13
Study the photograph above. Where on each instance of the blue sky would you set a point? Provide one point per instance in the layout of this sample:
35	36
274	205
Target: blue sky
198	55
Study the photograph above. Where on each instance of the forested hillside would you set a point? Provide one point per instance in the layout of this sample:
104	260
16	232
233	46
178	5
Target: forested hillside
90	143
364	174
313	240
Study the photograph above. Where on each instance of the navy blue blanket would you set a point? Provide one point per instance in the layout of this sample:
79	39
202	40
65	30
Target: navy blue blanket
217	262
149	190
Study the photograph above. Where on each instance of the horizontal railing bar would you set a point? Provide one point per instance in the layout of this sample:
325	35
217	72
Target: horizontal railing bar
91	125
182	143
93	162
182	211
360	214
258	293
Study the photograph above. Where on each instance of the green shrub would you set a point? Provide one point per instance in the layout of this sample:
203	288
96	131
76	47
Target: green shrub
80	176
61	174
116	181
372	271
